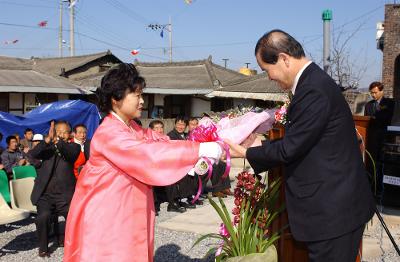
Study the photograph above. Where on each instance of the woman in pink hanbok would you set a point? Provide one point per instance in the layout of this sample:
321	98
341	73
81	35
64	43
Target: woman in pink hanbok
111	217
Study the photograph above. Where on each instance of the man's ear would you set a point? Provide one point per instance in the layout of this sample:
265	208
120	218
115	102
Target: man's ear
285	59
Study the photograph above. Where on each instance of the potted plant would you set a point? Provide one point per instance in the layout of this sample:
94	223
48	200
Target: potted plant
247	237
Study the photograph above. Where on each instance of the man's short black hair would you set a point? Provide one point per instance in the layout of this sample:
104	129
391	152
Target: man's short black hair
181	119
78	125
28	130
276	41
9	138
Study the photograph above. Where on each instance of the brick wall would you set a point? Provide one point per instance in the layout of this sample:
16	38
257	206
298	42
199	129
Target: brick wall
391	54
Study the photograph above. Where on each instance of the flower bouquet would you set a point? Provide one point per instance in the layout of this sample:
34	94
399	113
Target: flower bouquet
247	235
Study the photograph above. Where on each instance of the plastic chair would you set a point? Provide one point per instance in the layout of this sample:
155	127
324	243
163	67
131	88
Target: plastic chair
23	172
20	192
4	190
7	215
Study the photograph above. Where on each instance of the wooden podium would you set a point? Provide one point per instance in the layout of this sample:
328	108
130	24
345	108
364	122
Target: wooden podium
290	250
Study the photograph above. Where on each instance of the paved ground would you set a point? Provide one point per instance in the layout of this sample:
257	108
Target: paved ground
176	233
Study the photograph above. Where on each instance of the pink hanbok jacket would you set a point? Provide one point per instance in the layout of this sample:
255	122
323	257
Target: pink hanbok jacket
111	217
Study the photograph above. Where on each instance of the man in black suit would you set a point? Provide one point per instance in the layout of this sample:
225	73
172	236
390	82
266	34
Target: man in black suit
55	183
328	197
380	109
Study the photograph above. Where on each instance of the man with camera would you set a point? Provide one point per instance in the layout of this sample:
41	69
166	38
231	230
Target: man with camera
55	183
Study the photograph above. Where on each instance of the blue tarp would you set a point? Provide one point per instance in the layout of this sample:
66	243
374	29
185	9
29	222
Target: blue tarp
73	111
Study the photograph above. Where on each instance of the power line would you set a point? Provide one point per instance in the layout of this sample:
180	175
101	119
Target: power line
81	34
27	5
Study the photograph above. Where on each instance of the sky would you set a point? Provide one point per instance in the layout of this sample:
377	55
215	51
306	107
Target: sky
221	28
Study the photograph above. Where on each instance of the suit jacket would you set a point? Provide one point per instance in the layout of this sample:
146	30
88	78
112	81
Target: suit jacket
382	117
174	135
327	189
57	163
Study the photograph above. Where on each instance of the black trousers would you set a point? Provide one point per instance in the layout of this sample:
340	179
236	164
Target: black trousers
49	207
218	184
341	249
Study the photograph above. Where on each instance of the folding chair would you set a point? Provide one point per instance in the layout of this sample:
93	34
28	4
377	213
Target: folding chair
7	215
4	190
20	192
23	171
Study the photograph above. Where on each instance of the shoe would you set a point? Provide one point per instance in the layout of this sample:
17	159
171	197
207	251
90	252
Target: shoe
173	207
199	202
227	192
44	254
60	242
218	194
187	205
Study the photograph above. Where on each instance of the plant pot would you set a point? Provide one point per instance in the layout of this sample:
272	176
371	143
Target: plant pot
270	255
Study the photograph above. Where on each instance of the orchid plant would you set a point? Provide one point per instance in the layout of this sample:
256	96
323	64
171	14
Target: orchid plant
255	209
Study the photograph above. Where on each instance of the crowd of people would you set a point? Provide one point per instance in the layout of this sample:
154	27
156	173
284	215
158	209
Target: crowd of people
57	157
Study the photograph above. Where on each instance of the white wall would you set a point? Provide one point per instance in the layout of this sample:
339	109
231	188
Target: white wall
198	106
159	100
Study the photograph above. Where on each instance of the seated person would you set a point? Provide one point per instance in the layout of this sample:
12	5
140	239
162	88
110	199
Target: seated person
158	191
12	157
27	143
80	133
180	189
37	138
1	151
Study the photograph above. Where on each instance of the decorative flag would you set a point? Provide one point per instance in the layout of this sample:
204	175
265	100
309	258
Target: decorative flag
188	1
42	23
10	42
135	51
162	33
72	3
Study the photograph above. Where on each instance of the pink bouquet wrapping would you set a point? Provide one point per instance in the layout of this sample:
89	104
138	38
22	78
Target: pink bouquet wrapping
236	128
239	128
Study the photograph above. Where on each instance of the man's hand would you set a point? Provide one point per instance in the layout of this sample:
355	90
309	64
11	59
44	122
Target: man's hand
26	149
50	136
251	141
21	162
235	149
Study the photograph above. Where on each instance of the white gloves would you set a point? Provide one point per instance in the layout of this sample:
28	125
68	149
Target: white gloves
211	150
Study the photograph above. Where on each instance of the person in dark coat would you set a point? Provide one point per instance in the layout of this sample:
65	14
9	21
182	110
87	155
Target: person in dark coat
328	197
380	109
183	188
55	182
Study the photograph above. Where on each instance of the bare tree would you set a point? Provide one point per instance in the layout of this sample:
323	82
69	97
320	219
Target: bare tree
345	67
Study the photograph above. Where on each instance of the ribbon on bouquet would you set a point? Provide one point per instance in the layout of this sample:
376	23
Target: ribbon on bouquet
209	134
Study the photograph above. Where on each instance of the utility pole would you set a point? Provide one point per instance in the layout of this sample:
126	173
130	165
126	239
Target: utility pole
71	24
60	44
225	60
326	18
170	39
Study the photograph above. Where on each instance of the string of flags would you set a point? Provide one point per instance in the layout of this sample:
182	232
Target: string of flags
11	42
135	51
42	23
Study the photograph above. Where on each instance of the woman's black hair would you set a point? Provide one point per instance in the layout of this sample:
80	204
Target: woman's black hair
116	83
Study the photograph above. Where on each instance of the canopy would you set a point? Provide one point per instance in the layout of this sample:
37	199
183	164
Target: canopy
73	111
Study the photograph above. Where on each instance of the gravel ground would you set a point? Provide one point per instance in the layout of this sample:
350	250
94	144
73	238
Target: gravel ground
18	242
